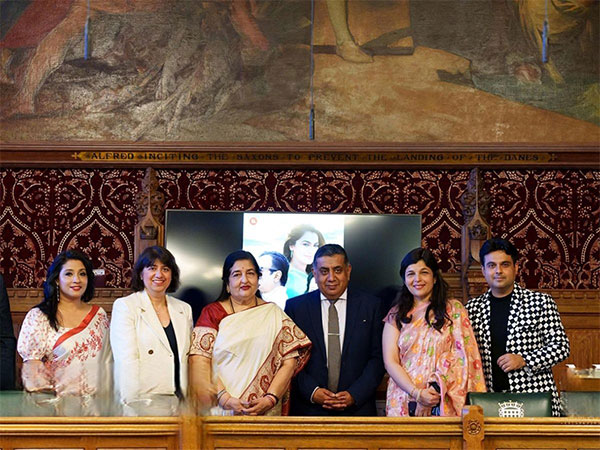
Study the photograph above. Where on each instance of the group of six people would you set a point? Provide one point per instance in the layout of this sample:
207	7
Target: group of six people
325	354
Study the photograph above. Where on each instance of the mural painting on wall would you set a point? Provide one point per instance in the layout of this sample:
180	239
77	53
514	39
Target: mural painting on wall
239	70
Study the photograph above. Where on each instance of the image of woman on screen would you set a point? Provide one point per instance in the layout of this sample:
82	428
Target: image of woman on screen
151	335
64	340
429	349
300	248
244	350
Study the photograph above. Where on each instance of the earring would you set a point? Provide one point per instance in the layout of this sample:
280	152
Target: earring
57	296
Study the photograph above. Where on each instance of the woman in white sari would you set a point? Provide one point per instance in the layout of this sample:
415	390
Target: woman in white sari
244	350
64	340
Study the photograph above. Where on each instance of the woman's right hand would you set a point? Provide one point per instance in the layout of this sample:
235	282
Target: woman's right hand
429	397
35	376
205	398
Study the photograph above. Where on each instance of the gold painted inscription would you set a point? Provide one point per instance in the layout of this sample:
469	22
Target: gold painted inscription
308	157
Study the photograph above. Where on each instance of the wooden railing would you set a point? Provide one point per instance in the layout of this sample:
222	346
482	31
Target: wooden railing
471	432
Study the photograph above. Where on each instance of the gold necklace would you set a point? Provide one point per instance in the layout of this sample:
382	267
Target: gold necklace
233	309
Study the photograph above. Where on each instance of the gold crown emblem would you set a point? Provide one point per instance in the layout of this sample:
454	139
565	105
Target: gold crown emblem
511	409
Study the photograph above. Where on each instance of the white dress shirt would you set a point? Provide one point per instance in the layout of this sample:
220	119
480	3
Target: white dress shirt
340	305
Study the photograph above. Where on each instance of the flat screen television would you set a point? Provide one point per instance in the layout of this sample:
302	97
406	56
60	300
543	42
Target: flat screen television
200	241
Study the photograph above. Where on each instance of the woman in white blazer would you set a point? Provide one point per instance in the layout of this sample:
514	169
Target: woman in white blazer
152	333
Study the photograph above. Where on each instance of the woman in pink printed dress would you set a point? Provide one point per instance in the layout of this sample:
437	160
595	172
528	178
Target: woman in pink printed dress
64	340
429	349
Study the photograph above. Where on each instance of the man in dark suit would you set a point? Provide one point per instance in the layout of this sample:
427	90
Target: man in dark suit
345	327
7	342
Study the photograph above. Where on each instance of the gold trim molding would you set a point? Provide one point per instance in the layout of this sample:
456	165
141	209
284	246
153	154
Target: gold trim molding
292	154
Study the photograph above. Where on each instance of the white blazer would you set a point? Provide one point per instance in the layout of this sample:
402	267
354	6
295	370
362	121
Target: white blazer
143	360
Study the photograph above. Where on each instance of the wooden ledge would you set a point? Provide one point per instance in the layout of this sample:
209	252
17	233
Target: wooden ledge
472	432
331	426
94	426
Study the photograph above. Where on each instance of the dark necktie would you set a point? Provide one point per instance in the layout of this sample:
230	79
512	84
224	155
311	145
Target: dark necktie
334	354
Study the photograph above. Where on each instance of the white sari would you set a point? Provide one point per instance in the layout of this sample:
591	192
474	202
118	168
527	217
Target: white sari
247	348
71	362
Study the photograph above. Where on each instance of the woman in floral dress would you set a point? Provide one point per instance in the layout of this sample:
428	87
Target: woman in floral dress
64	340
429	349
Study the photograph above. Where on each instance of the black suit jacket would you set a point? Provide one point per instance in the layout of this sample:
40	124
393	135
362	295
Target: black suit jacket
7	342
362	363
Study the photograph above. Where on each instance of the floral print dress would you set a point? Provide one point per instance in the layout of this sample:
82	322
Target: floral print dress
76	361
449	356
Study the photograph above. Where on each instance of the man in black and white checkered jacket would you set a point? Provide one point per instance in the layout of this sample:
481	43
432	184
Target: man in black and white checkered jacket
519	332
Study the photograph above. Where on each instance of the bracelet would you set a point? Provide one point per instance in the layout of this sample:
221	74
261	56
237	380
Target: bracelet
419	395
412	392
220	394
222	405
269	394
273	402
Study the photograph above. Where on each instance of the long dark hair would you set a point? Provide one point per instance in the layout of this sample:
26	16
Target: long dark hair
439	297
232	258
49	306
295	234
147	259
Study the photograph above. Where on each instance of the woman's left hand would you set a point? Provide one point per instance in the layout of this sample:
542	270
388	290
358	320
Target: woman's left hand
258	406
429	397
235	404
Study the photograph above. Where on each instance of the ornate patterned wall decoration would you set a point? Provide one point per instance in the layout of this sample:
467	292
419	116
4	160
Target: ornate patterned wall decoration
552	215
21	250
47	211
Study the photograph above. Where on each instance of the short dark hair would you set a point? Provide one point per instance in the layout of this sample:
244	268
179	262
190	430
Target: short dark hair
230	260
495	244
49	306
146	259
330	250
279	262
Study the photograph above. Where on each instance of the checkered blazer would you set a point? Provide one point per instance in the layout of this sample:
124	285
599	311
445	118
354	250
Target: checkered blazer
535	332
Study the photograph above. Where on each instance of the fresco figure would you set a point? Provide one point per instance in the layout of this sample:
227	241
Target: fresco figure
49	28
51	38
242	15
567	19
345	47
